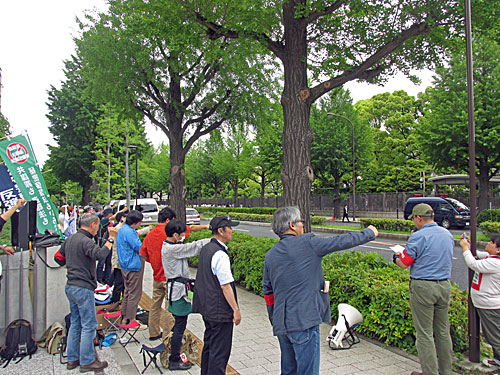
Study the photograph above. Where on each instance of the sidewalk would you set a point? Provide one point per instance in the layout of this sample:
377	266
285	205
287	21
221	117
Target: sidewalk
255	350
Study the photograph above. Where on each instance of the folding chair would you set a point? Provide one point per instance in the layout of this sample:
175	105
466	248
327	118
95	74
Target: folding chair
113	319
152	353
130	329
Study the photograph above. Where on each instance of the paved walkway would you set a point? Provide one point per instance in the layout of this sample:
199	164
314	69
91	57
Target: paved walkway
255	350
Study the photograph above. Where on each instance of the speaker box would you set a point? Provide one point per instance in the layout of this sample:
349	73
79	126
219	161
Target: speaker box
23	225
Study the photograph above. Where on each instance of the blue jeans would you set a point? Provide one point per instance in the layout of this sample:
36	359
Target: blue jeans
300	352
104	270
83	325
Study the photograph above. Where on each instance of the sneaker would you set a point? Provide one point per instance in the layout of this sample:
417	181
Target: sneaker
153	338
173	366
142	327
490	363
123	340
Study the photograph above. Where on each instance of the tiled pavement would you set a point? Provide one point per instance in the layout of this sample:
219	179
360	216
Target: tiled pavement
255	350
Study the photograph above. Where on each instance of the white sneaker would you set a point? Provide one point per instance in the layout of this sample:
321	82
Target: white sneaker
142	327
491	363
123	340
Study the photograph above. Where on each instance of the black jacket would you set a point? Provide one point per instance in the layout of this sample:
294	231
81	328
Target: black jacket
81	253
208	298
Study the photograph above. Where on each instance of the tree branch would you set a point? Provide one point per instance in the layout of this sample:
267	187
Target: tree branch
215	32
365	70
328	10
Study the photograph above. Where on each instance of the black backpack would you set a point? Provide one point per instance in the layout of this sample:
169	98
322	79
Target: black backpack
19	341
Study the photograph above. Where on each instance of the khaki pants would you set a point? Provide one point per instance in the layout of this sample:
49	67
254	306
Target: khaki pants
133	292
159	295
430	302
490	323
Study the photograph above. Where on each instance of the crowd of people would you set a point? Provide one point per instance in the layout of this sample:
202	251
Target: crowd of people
293	284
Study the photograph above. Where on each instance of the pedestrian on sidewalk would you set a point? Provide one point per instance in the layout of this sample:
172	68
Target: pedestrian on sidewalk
80	253
429	255
174	256
128	246
346	213
151	251
215	298
485	291
294	288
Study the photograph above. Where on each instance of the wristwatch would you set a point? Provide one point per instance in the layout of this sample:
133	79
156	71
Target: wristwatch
110	240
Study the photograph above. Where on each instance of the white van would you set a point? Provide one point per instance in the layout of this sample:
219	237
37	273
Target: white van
147	206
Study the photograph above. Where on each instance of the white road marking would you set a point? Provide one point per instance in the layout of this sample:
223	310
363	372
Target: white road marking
242	230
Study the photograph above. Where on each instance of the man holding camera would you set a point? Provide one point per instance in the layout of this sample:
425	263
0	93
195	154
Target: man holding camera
295	291
429	255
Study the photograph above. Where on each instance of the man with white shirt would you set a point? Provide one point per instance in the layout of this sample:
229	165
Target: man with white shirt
215	298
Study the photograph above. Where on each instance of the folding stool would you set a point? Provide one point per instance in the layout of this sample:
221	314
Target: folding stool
152	353
112	318
130	329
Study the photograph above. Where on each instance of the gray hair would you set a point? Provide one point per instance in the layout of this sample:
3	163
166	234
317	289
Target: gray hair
282	218
87	220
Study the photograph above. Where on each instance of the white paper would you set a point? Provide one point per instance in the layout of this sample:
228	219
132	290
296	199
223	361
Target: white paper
398	249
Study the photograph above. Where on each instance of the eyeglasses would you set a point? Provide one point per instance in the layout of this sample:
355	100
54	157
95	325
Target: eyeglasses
300	221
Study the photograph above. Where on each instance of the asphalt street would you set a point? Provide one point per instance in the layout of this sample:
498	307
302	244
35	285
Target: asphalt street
380	246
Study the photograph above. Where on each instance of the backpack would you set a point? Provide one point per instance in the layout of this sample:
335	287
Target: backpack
19	341
189	348
52	338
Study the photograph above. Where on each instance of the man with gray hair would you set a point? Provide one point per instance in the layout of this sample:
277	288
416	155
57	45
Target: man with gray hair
80	253
295	291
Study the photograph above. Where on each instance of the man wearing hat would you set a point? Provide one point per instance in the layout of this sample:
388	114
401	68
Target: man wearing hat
429	255
215	297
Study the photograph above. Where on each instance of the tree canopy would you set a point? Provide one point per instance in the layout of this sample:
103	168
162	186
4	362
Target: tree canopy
443	133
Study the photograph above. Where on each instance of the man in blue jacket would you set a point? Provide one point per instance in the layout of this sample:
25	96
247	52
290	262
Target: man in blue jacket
128	245
293	287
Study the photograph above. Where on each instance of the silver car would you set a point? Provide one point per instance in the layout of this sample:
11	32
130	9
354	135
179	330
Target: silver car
192	216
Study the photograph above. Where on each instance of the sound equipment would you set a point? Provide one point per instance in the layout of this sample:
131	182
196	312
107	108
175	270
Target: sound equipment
342	332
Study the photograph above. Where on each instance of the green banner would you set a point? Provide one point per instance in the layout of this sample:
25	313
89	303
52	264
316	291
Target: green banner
18	156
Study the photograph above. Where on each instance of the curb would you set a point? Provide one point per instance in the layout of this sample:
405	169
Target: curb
390	236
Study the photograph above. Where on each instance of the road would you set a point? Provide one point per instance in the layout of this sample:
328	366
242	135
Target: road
380	246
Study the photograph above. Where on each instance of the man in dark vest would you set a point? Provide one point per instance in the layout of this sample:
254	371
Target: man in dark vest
215	298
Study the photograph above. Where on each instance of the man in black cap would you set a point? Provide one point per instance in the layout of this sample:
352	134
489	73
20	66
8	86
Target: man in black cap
215	298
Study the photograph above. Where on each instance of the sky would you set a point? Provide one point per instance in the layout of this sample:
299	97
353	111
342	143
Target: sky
35	39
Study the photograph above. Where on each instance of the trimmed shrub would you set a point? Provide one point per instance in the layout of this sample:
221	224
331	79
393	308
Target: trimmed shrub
488	215
396	225
489	227
377	288
241	216
247	210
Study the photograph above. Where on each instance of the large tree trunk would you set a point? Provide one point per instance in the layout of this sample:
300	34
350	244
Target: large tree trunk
177	186
484	179
86	186
297	174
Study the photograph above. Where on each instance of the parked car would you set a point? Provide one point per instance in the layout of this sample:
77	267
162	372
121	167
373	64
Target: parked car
448	212
147	206
192	216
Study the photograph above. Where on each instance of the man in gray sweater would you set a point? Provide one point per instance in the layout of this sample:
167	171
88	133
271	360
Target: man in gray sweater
81	254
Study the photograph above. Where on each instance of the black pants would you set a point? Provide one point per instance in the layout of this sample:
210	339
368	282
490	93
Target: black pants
346	216
216	347
118	285
177	333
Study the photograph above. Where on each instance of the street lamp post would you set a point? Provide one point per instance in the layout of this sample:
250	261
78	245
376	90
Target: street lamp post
353	164
136	180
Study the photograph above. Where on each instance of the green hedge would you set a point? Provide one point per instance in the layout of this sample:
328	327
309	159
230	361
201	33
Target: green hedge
397	225
489	227
377	288
488	215
266	218
247	210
